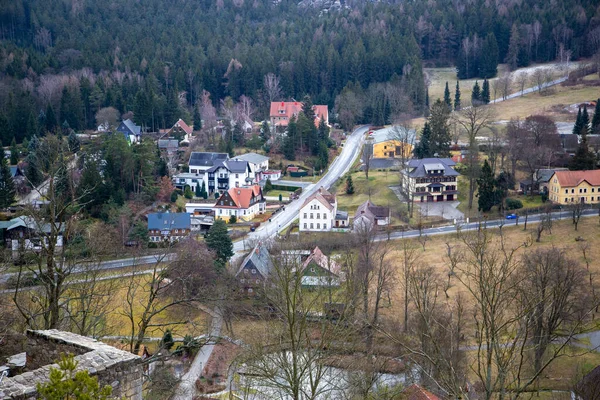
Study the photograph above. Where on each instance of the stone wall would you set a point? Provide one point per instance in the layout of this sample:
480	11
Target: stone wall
120	369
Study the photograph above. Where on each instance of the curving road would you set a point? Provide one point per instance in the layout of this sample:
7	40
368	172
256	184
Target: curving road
338	168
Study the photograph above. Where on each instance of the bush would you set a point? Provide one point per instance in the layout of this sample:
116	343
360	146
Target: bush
513	204
268	186
174	196
188	193
544	197
232	219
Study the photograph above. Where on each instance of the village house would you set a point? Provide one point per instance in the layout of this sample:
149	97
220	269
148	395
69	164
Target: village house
281	112
369	215
255	269
569	187
319	213
228	174
168	226
430	180
24	233
201	161
259	164
180	131
169	146
387	142
131	131
242	202
320	270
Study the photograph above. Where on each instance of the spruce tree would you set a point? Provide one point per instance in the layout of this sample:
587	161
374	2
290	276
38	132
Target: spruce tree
427	102
583	159
7	185
422	149
476	95
585	121
457	97
447	99
198	191
349	185
220	242
578	124
14	152
439	145
51	121
596	119
268	186
488	67
486	188
197	119
289	142
74	143
485	92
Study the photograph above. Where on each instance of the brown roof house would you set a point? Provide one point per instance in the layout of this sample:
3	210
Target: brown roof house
416	392
320	270
180	131
369	215
242	202
319	213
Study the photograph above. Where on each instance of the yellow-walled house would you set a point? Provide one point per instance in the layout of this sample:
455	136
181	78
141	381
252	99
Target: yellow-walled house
569	187
393	142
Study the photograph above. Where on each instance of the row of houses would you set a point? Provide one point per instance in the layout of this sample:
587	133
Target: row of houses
218	173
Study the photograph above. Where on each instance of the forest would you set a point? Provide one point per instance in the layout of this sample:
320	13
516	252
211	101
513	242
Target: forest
157	58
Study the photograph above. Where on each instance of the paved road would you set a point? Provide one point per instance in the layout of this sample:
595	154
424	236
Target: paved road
187	387
338	168
531	89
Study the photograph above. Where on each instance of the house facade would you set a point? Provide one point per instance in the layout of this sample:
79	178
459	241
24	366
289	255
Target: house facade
201	161
242	202
255	269
167	226
370	215
24	233
319	270
570	187
281	112
229	174
180	131
387	142
430	180
131	131
259	165
318	213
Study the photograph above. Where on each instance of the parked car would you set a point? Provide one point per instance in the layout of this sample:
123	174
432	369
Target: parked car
511	216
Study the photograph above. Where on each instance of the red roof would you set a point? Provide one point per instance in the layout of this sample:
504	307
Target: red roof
416	392
241	196
293	108
574	178
322	260
181	123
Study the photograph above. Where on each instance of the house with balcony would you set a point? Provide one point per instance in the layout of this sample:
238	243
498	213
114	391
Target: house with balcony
180	181
229	174
570	187
430	180
242	202
168	227
202	161
259	165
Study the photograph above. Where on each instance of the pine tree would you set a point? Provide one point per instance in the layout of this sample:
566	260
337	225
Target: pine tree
197	119
427	102
512	55
238	134
289	142
7	185
422	149
220	242
268	186
265	131
457	97
447	99
485	92
488	66
74	143
439	145
198	190
349	185
65	383
229	149
14	152
596	119
476	95
578	123
486	188
167	341
203	192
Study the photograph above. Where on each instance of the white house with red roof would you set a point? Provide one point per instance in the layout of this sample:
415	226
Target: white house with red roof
319	213
242	202
282	111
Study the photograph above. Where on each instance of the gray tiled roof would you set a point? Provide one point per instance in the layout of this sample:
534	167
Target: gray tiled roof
260	259
199	159
235	166
128	126
253	158
169	221
419	167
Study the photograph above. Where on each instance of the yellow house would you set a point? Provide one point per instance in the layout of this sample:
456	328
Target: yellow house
569	187
394	142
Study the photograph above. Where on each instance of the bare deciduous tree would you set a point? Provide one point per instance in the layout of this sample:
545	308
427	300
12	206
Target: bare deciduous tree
272	87
521	79
109	117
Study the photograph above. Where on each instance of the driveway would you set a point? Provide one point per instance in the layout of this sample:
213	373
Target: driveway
447	210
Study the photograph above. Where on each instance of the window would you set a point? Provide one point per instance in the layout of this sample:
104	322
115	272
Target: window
324	216
305	225
311	225
250	290
253	271
258	281
318	226
572	190
237	175
311	215
566	191
304	215
318	216
324	226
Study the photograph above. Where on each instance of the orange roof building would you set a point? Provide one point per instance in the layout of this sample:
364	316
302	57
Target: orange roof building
416	392
570	187
242	202
281	113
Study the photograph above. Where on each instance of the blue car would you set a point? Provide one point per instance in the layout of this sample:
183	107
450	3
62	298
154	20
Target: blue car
511	216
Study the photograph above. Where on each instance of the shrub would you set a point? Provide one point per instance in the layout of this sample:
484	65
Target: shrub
187	193
280	197
513	204
268	186
232	219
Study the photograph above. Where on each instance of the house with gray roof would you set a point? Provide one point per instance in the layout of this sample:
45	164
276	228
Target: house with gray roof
168	226
255	269
131	131
371	215
227	174
201	161
430	180
26	233
258	164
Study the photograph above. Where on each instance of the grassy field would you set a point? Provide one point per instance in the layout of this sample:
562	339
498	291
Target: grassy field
376	188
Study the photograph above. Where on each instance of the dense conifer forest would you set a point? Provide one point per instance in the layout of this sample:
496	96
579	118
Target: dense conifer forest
156	57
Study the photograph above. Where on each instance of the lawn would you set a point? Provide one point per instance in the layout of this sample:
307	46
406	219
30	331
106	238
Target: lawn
376	188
